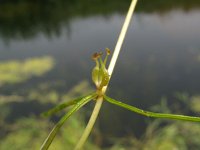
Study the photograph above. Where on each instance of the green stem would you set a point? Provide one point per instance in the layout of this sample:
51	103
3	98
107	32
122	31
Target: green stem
152	114
56	128
110	71
90	124
64	105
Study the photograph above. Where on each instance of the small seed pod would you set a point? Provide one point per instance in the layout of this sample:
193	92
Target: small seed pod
95	76
105	78
96	69
100	74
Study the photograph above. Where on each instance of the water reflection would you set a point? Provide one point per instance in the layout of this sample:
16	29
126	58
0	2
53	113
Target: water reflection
157	61
160	55
25	19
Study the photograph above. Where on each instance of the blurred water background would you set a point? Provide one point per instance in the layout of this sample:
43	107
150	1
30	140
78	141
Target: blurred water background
45	58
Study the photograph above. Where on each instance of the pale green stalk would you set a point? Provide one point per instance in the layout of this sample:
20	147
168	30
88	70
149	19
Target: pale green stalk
110	71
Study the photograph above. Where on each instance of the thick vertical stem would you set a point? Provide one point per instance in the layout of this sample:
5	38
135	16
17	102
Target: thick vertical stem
99	100
90	124
121	37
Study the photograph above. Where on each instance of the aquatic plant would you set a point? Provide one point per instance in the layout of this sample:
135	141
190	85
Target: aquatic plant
15	71
101	77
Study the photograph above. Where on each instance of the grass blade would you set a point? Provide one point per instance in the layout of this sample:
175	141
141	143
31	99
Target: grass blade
151	114
63	105
54	131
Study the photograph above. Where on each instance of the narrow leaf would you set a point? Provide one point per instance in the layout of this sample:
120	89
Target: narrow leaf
54	131
151	114
63	105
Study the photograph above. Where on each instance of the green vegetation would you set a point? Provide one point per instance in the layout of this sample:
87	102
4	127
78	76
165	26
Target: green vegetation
100	78
177	135
22	131
151	114
26	132
21	126
163	135
19	71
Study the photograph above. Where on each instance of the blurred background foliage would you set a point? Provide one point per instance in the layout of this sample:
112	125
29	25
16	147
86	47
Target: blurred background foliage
23	128
18	71
166	134
28	86
21	124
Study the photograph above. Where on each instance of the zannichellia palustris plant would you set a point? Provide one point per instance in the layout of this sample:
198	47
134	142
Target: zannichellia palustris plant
101	77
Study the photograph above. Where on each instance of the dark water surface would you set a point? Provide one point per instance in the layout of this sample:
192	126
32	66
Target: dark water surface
160	55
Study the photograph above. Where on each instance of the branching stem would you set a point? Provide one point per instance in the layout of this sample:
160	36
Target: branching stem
99	100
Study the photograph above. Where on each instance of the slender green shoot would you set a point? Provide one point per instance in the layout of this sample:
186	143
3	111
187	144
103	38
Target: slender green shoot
110	71
56	128
64	105
101	77
91	122
151	114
